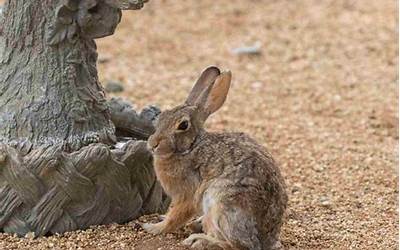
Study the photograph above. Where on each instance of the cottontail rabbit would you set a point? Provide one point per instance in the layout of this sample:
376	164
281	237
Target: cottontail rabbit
227	178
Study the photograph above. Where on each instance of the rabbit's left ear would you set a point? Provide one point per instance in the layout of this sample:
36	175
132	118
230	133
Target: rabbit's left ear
206	79
217	94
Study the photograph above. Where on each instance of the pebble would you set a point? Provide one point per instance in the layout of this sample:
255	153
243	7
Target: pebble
325	202
248	50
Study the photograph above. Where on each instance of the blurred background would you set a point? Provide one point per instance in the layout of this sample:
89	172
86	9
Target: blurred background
314	81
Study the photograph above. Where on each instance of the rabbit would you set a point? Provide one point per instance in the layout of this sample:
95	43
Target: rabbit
227	178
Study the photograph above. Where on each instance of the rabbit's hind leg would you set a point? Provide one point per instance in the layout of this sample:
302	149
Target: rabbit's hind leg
204	241
235	226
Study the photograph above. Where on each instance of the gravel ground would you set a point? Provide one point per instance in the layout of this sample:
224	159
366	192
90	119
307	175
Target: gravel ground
322	95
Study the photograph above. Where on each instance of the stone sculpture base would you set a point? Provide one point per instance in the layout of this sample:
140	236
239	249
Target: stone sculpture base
49	190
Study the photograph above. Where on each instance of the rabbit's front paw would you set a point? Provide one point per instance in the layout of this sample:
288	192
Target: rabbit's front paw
153	228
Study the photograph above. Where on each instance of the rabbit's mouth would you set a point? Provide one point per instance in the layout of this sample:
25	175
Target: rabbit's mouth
165	148
166	151
161	154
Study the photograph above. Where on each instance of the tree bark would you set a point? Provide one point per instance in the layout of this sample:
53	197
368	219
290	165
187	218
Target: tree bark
49	93
60	166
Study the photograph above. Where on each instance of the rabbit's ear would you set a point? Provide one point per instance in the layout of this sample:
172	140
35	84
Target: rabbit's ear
207	78
213	98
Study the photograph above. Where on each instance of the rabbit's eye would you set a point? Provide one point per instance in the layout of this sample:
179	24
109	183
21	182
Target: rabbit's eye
183	125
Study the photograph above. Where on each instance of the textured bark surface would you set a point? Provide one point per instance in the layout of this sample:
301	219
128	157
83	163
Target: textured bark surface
51	191
130	124
60	166
49	93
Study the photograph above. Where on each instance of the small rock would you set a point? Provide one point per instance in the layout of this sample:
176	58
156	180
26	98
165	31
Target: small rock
295	189
325	202
248	50
30	235
318	168
113	87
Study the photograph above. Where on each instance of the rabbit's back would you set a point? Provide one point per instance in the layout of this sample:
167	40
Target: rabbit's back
239	173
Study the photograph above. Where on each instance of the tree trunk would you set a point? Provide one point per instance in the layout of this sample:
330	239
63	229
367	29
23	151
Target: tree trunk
60	168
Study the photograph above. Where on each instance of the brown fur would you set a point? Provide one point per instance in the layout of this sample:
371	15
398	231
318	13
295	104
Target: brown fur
226	177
